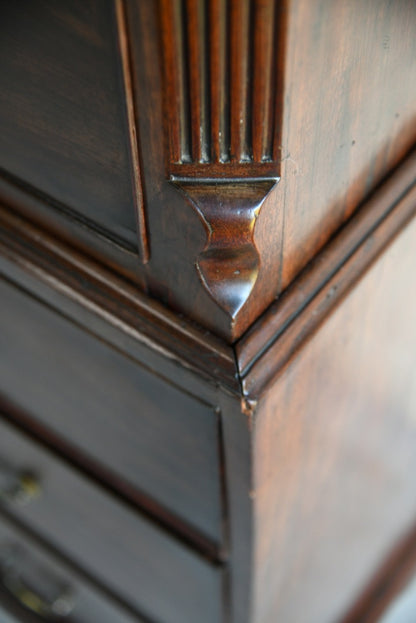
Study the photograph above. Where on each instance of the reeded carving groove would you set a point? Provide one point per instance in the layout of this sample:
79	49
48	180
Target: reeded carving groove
230	262
221	85
220	81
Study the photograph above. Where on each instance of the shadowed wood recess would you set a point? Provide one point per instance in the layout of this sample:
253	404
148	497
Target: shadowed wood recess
69	155
221	82
123	43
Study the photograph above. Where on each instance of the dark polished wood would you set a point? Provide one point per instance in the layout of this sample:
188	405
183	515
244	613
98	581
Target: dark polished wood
207	304
349	114
329	147
269	344
162	100
246	418
199	116
44	263
334	453
75	386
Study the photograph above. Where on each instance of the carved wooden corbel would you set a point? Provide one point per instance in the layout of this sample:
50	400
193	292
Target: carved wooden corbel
210	125
229	264
220	90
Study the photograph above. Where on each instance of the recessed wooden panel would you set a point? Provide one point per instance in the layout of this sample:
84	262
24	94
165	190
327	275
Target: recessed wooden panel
63	113
146	433
335	453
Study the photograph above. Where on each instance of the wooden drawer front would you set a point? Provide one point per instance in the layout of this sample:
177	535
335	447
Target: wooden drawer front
152	435
48	579
150	570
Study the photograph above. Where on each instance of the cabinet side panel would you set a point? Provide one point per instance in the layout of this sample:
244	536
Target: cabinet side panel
335	451
349	114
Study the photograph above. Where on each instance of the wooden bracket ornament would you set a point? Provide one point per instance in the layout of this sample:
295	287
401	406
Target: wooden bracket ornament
210	135
220	84
229	264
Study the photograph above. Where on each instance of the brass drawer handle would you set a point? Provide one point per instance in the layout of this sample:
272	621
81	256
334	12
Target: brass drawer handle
33	586
18	487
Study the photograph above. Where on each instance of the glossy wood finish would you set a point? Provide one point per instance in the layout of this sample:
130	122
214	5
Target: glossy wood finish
334	451
201	364
124	48
110	541
230	263
221	81
185	154
267	443
111	307
76	386
270	343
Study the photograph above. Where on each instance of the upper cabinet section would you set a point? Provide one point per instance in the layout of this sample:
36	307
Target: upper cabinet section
206	149
310	103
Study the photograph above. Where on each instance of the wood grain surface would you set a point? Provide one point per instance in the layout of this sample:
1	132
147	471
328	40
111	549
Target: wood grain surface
244	146
49	270
270	343
343	118
349	113
110	306
334	451
177	111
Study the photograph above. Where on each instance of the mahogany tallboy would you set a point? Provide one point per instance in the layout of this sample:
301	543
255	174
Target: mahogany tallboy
207	311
